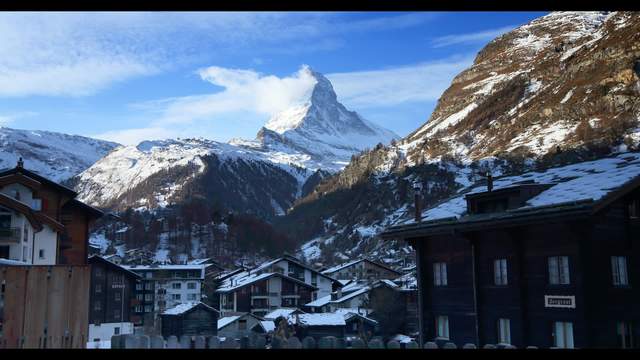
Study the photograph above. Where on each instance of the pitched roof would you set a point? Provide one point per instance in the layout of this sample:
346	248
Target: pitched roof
104	260
183	308
317	319
579	189
353	262
284	312
235	283
225	321
38	178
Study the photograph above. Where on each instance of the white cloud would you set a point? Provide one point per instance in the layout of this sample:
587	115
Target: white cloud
135	136
243	91
471	38
8	119
79	54
393	86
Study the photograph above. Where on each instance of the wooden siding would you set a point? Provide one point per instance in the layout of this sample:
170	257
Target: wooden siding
45	306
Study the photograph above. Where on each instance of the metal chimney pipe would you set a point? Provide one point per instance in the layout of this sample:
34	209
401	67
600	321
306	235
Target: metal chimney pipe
417	202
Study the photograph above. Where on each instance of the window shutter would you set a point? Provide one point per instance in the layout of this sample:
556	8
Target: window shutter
436	274
444	273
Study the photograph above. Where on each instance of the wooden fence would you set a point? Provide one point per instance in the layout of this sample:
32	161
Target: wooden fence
44	306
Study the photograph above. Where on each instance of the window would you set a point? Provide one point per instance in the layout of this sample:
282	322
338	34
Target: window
98	288
97	306
162	304
504	331
98	272
176	297
139	286
148	297
41	253
442	327
242	324
191	285
176	286
559	270
25	238
148	286
147	308
563	335
139	297
440	274
619	270
634	209
138	308
500	272
116	330
191	296
625	335
116	314
117	296
148	275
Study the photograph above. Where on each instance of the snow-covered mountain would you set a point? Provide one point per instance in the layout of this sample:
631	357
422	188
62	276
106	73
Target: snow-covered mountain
563	88
291	154
53	155
322	128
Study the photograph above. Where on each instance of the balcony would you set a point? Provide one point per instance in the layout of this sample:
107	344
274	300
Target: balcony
264	294
10	235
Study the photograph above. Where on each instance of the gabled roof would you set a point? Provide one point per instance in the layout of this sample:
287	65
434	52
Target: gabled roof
184	308
294	260
576	191
228	285
104	260
94	212
225	321
42	180
282	312
354	262
317	319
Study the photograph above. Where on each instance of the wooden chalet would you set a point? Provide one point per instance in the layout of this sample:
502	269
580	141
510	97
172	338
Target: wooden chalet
547	259
195	318
41	221
111	299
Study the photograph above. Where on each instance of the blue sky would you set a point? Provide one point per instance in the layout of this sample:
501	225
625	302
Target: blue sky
126	77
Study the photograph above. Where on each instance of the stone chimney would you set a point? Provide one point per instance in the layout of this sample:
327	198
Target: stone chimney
417	201
489	181
20	164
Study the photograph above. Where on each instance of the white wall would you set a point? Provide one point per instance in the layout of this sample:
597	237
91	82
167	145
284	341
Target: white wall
45	240
105	331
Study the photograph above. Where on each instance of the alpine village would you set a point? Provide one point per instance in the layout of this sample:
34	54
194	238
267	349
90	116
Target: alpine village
509	219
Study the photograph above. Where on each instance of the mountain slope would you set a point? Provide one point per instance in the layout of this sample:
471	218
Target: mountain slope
53	155
563	88
292	153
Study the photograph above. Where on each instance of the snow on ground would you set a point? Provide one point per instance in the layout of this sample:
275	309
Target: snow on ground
99	240
567	96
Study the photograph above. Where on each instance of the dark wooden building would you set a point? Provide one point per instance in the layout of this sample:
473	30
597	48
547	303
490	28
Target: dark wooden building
547	259
190	319
111	299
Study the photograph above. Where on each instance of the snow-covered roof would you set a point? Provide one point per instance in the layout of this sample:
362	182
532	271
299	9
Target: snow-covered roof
337	268
284	312
350	313
268	325
184	307
351	295
320	301
243	279
318	319
589	180
222	322
165	267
